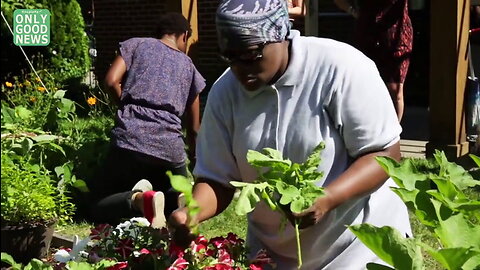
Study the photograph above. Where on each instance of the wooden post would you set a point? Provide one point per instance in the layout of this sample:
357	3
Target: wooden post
311	18
450	22
189	11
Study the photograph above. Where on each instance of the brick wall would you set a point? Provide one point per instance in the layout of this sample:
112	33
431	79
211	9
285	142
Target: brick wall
207	60
118	20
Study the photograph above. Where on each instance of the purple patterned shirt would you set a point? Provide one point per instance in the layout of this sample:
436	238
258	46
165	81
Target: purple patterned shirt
159	84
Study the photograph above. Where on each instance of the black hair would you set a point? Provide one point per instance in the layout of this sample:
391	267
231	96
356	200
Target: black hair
172	23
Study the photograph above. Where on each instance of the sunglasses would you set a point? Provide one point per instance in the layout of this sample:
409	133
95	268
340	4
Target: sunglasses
248	56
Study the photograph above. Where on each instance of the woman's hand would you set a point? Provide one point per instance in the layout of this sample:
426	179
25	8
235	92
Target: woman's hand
178	226
316	212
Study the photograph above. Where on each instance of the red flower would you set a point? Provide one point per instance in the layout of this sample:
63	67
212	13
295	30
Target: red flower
118	266
219	266
224	257
176	251
178	264
218	242
261	259
255	266
100	231
234	239
125	247
199	244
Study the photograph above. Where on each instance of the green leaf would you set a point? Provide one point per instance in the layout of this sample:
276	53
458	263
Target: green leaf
298	205
404	174
260	160
390	246
476	159
313	161
452	258
8	259
23	113
287	192
375	266
249	196
180	183
456	173
59	94
454	229
80	185
44	138
473	263
419	203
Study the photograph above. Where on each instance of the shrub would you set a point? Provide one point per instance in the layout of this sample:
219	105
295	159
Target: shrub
29	195
66	56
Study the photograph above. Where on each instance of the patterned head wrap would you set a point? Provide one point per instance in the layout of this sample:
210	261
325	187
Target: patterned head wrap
242	23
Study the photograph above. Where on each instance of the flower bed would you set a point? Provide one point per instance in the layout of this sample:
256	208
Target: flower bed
135	245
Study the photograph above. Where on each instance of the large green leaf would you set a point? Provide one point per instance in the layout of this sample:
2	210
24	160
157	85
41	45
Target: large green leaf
476	159
473	263
419	203
390	246
452	258
456	173
8	259
454	229
404	174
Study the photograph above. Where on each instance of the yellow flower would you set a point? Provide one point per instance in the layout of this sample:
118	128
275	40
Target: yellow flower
33	99
41	89
27	83
20	85
37	79
8	84
91	101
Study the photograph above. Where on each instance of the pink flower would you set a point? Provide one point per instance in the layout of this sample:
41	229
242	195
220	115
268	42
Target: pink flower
118	266
178	264
100	231
124	247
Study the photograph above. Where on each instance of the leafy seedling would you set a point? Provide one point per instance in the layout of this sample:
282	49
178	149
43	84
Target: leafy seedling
281	184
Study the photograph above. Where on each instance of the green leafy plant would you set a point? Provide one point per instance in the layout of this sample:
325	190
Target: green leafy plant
184	185
282	184
29	195
36	264
446	210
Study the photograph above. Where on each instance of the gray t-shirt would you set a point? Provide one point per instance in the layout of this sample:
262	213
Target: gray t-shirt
160	83
330	92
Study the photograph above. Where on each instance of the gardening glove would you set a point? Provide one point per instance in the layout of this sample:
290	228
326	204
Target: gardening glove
179	229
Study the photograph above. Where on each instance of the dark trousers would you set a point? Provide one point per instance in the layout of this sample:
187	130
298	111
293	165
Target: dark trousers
111	191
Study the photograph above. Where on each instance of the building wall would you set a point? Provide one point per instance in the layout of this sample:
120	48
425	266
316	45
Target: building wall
118	20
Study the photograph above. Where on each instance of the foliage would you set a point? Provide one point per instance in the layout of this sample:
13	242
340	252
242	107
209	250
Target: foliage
282	184
134	244
446	210
184	185
67	55
29	195
37	264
